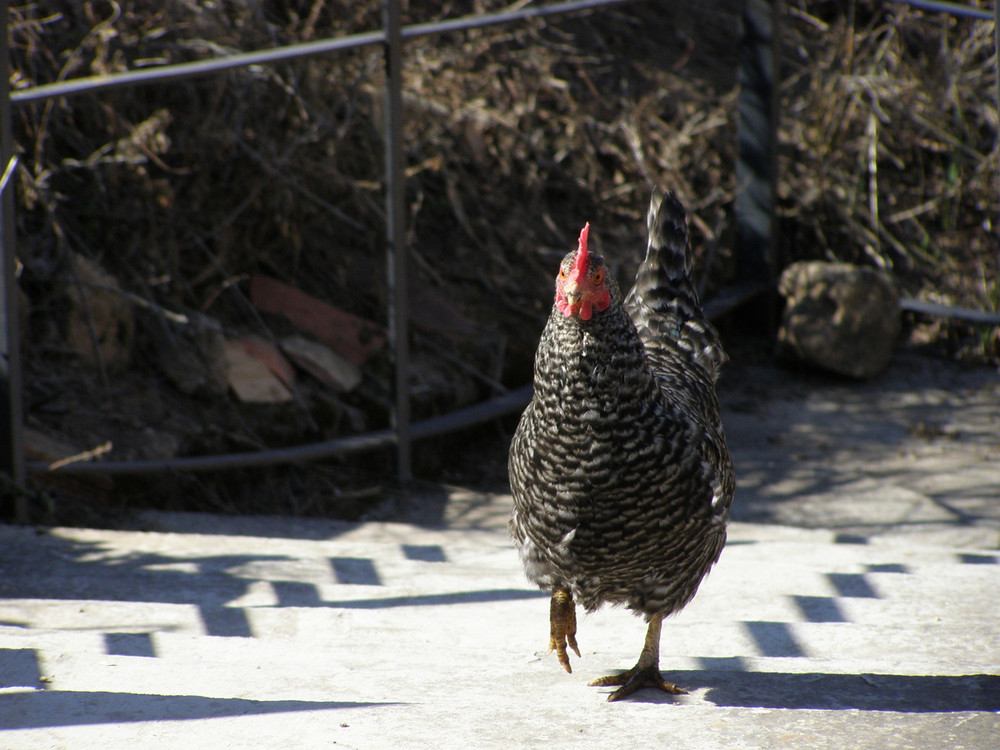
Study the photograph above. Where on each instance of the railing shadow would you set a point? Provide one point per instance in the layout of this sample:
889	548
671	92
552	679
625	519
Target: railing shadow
840	692
60	708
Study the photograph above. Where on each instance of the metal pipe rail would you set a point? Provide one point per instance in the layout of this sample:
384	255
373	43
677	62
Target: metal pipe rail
197	68
472	415
953	9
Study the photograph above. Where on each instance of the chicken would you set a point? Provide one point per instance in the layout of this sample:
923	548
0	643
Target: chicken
619	469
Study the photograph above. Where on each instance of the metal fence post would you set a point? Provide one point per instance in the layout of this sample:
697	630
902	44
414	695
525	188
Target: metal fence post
11	390
756	166
395	186
996	54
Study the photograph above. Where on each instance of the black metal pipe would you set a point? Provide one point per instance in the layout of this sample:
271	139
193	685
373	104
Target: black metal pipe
953	9
460	419
11	385
395	220
177	71
92	84
757	127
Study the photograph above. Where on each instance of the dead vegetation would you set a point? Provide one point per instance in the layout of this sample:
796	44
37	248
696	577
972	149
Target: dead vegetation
515	135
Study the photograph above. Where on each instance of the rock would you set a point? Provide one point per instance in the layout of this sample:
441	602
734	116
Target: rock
350	336
258	373
193	358
432	313
322	363
100	325
839	317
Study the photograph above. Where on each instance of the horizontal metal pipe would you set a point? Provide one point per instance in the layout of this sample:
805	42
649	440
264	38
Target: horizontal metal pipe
732	297
937	310
197	68
468	417
91	84
490	19
951	8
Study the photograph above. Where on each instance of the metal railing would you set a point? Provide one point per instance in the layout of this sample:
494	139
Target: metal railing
953	9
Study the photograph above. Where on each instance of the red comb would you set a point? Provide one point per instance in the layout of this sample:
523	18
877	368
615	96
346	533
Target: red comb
582	257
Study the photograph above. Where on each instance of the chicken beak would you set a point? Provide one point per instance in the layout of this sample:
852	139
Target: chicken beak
573	296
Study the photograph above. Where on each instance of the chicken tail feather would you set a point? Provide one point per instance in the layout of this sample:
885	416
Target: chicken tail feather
664	303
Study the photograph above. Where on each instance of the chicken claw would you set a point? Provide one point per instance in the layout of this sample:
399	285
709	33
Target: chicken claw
646	672
635	678
562	626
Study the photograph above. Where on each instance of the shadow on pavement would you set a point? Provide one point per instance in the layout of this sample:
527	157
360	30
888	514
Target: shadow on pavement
41	708
838	692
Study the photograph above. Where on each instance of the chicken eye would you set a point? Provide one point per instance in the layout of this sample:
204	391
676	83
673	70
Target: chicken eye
598	276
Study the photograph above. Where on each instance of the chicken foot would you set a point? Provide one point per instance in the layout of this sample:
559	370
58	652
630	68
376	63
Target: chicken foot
562	626
646	672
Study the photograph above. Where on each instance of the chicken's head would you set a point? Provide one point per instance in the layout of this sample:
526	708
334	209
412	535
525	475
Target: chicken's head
582	284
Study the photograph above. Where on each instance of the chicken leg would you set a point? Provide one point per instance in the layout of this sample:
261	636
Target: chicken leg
562	625
646	672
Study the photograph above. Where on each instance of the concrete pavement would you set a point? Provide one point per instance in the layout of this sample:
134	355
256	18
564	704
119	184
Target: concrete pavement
855	606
